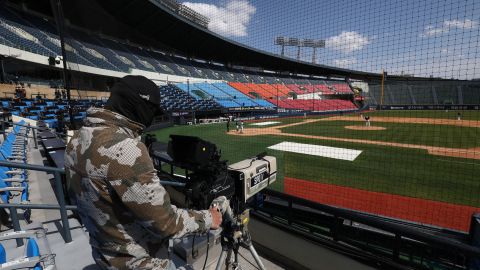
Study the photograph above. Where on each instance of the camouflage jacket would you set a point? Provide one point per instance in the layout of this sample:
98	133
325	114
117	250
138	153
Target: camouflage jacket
120	200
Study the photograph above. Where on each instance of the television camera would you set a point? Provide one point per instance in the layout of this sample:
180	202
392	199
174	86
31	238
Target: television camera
208	181
206	176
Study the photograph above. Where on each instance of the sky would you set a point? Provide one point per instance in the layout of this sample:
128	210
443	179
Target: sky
439	38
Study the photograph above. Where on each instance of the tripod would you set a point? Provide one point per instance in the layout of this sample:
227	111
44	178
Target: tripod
234	236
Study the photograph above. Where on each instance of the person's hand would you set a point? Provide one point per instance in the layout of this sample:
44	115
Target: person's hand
216	218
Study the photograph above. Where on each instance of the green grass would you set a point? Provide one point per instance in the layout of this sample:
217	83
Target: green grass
407	172
283	121
399	171
421	134
466	115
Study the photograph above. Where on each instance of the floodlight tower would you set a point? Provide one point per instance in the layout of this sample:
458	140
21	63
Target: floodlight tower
299	43
277	83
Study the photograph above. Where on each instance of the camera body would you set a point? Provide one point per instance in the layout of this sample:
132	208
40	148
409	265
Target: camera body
207	177
253	175
204	185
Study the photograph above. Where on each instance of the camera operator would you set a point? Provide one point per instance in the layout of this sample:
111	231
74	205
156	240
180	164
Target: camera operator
125	209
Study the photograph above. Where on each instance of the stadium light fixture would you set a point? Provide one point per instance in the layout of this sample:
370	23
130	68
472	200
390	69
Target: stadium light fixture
299	43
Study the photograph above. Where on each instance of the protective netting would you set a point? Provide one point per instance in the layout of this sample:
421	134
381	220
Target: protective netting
416	157
412	152
393	130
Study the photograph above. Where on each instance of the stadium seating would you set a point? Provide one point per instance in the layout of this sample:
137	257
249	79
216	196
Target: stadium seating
296	89
284	100
470	94
399	94
240	97
14	182
424	93
324	89
341	88
38	35
213	91
446	95
317	105
175	99
243	88
36	254
21	35
249	89
48	110
227	96
223	94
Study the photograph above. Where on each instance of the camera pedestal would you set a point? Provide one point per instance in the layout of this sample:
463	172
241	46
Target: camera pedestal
226	255
232	239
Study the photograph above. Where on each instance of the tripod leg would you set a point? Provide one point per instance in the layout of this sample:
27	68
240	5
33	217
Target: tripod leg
256	257
221	259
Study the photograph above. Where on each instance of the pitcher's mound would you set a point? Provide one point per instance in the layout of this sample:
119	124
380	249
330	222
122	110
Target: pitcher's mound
364	128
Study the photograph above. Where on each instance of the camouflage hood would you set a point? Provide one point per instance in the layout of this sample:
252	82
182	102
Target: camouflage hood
125	209
103	117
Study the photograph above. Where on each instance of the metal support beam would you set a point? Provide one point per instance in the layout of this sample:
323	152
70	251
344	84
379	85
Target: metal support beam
16	224
3	78
4	132
63	211
35	137
314	56
60	21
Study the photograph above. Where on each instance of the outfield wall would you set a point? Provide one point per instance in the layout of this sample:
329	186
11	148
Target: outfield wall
425	107
434	92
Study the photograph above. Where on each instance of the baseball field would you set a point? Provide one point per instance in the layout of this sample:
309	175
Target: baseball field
420	166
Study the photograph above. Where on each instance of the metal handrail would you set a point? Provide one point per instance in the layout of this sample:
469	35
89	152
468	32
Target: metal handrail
389	226
32	127
57	172
2	122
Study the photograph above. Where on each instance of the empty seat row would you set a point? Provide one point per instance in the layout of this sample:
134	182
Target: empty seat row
14	182
36	254
38	35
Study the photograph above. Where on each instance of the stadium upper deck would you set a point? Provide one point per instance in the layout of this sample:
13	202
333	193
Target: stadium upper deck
39	36
97	54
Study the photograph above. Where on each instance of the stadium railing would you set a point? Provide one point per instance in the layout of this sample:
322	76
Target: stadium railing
62	206
364	235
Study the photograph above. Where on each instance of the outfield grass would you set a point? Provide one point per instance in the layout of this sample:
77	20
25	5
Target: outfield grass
281	121
421	134
466	115
401	171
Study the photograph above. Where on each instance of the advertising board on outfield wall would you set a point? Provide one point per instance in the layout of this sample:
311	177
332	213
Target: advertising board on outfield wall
426	107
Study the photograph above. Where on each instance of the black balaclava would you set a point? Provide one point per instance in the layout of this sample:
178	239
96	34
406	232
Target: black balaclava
136	98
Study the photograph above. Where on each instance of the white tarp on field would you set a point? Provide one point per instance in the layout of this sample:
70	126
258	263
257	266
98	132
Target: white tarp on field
265	123
317	150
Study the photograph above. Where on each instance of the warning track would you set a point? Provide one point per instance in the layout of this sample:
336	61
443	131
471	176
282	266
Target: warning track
447	215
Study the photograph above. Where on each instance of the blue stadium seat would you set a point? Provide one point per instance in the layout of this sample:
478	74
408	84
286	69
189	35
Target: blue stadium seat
32	250
3	255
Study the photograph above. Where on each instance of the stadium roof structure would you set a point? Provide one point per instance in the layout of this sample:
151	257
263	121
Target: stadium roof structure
151	23
181	33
